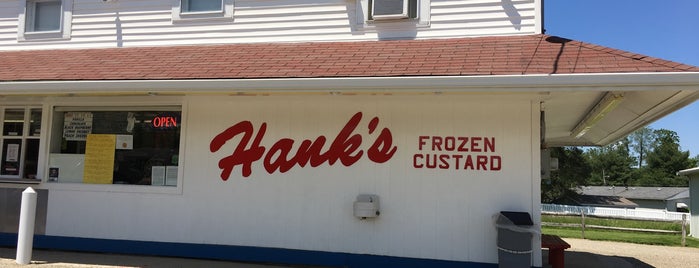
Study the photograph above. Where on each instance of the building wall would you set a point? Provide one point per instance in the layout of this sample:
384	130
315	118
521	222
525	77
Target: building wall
433	213
654	204
126	23
693	204
671	205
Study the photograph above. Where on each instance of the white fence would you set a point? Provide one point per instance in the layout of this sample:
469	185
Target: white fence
645	214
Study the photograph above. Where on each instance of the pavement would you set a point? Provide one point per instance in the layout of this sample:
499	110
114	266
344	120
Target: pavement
576	259
583	253
70	259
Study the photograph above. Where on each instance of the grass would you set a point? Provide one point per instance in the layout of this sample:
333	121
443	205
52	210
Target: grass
638	224
619	236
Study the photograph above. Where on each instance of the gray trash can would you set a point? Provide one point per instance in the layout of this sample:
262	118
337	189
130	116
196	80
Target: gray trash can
515	232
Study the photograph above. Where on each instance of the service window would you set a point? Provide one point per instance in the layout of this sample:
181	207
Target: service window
21	128
115	145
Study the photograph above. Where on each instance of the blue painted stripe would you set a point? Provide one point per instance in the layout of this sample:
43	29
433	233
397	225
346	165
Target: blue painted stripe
232	253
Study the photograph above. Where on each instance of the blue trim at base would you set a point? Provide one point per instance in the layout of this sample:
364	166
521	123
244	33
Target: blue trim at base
231	253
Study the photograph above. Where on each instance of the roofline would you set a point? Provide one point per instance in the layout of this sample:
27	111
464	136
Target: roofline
404	84
689	172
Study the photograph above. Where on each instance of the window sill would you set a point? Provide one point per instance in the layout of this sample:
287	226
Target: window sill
42	36
397	24
115	188
21	181
194	17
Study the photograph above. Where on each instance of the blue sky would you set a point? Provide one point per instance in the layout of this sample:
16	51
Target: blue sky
657	28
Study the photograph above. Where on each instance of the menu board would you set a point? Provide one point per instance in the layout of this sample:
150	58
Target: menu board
77	125
99	159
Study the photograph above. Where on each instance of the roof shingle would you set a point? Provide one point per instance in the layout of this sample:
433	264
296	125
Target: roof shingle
505	55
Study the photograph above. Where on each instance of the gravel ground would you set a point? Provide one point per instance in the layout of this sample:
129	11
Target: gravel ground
583	253
634	254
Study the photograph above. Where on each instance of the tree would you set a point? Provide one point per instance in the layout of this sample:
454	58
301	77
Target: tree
611	164
641	141
666	158
573	170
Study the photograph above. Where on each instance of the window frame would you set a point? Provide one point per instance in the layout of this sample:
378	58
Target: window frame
24	137
179	14
115	104
25	30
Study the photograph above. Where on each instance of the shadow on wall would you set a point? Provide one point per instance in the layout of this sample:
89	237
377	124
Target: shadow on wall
385	30
512	14
10	204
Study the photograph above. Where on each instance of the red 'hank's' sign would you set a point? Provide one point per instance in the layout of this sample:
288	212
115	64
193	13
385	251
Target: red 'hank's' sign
281	156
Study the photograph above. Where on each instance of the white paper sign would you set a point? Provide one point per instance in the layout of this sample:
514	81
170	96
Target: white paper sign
76	125
157	175
12	152
171	176
124	142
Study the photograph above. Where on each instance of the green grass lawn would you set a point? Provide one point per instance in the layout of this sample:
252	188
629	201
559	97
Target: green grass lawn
639	224
619	236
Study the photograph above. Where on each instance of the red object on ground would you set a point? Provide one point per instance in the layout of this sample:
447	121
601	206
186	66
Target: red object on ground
556	246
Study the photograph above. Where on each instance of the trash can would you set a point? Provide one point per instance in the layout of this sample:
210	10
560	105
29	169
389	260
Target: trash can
515	232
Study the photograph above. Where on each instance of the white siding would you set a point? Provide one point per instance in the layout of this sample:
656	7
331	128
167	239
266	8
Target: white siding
147	23
694	203
426	213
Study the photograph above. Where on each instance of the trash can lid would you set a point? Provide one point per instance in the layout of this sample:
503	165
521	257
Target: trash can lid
518	218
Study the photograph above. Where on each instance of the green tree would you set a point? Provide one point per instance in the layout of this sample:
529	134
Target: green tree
666	159
641	142
611	164
573	170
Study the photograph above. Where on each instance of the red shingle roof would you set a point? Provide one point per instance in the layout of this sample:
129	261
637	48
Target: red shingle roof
506	55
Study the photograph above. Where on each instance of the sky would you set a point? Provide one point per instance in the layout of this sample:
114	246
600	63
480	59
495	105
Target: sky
666	29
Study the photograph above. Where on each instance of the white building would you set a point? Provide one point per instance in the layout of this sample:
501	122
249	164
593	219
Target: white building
664	198
693	174
246	130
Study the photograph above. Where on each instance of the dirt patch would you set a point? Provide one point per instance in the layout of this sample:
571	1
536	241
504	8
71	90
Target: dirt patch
657	256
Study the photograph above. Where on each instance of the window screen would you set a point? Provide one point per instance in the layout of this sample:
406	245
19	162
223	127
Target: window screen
43	16
201	5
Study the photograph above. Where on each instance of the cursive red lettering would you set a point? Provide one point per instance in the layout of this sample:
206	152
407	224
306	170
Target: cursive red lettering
281	163
241	155
382	149
310	151
344	148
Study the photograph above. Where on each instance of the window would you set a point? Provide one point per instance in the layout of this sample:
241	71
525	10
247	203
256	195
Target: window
45	19
201	5
400	13
21	129
115	145
198	10
43	16
392	9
